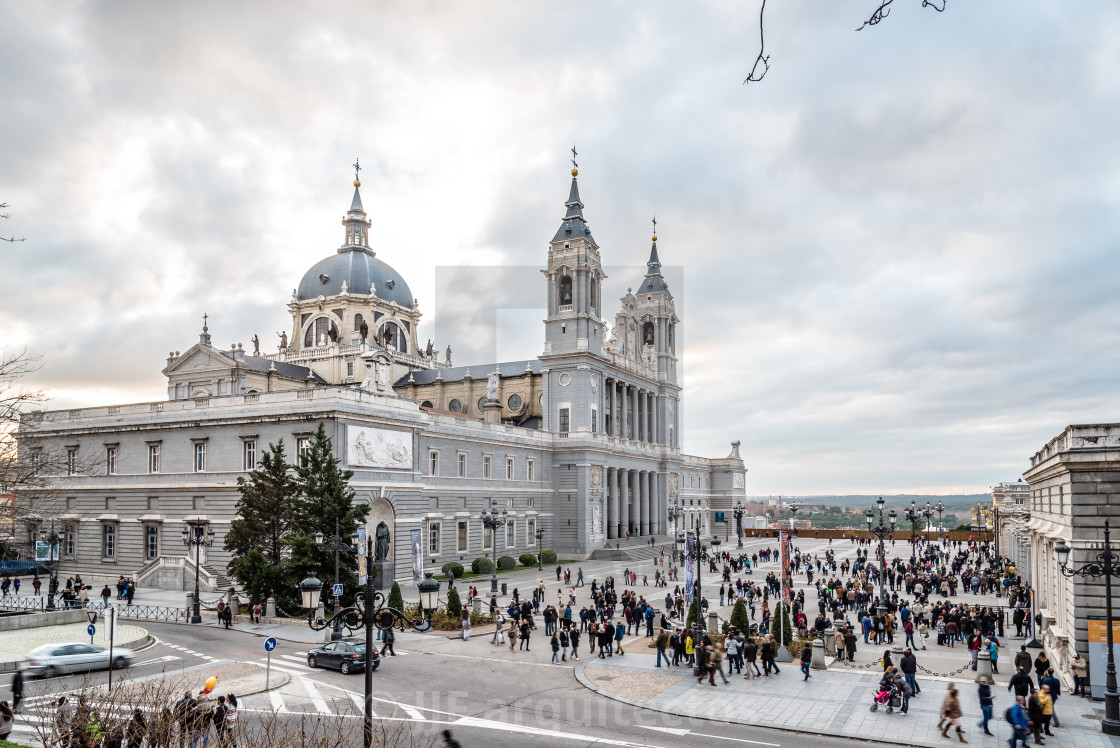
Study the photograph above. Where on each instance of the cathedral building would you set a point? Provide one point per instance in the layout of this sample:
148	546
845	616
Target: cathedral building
580	445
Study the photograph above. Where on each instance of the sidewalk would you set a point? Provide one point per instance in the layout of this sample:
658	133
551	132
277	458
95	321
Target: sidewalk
831	703
16	644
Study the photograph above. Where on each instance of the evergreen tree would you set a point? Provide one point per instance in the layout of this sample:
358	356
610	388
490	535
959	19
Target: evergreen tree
396	600
780	625
693	614
258	537
454	604
739	617
323	496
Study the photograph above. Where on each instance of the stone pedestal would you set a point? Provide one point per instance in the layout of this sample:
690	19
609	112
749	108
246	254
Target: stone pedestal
492	411
984	666
478	605
270	607
382	575
830	642
713	623
818	654
235	604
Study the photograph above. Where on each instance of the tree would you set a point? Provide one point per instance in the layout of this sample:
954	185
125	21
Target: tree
454	605
258	538
780	627
10	239
693	615
396	600
739	617
323	496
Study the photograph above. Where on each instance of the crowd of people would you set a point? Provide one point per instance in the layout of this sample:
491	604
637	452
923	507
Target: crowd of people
190	722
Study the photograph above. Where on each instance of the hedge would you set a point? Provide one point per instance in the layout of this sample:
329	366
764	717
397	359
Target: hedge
455	567
482	565
506	563
549	557
527	559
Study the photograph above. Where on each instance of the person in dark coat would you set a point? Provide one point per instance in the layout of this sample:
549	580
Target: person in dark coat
17	688
1034	713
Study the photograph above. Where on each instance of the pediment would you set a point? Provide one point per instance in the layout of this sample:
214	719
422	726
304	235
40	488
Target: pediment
200	358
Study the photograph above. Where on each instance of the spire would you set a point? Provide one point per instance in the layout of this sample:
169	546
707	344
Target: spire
574	225
356	223
653	280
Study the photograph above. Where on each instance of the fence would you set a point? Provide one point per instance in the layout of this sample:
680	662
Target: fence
35	602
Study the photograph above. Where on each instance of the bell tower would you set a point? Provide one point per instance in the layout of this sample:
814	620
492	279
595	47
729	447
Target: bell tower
575	281
656	315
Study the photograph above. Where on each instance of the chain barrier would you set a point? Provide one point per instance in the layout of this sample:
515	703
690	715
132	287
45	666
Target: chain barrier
868	666
877	664
946	675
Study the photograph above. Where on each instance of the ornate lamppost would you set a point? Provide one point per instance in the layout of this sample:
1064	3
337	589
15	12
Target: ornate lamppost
338	545
940	509
881	530
793	520
540	561
493	522
913	516
52	539
194	535
1106	565
368	612
674	514
739	512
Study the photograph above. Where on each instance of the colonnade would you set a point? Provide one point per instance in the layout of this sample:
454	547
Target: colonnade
633	412
636	502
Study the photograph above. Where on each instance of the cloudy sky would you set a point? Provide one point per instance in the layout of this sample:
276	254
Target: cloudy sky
897	253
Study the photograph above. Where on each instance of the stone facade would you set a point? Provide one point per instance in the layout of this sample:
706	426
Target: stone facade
581	442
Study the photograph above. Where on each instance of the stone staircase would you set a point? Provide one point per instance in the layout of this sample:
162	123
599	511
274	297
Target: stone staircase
633	550
222	582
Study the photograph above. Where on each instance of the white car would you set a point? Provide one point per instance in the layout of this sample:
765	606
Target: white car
74	657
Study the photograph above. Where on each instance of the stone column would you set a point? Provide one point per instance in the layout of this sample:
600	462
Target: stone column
635	501
645	503
612	503
624	399
636	430
623	503
656	511
656	418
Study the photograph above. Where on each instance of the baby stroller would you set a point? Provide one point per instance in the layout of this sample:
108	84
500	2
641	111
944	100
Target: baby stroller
887	696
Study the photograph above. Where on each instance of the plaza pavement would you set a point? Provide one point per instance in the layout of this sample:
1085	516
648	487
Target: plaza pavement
17	643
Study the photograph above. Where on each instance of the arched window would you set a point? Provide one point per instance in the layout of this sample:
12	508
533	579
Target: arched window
565	290
426	404
319	332
392	336
358	322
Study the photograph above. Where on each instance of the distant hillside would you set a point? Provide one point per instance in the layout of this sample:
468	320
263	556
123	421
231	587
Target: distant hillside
896	501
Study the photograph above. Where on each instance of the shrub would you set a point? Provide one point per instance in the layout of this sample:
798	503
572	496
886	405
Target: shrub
779	625
549	557
454	567
739	617
693	614
506	563
527	559
454	606
395	598
482	565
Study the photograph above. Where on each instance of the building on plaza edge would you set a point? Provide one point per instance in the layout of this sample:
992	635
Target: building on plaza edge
581	442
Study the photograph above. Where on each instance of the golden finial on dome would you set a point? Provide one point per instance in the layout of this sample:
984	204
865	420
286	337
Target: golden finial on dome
357	183
357	168
655	228
575	172
655	237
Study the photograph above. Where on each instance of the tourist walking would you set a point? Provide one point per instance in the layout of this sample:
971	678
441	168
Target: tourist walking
806	660
951	711
985	693
1020	723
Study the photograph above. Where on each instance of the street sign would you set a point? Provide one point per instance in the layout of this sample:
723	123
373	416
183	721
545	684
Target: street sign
92	616
91	629
338	590
269	644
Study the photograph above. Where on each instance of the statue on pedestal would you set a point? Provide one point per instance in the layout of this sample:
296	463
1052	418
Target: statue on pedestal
381	542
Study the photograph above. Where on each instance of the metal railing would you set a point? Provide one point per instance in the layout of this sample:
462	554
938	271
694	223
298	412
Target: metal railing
37	602
150	612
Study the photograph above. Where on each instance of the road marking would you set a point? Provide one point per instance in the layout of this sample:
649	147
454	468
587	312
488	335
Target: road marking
277	701
360	701
301	660
680	732
281	669
165	658
295	663
316	698
413	712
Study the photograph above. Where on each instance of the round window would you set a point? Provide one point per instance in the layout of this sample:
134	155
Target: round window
455	406
565	379
481	402
426	404
514	403
540	401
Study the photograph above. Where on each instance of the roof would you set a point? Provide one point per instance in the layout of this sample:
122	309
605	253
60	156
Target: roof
359	268
480	371
653	280
282	368
574	224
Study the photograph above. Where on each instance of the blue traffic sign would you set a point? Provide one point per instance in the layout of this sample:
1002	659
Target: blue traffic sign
338	590
91	629
269	644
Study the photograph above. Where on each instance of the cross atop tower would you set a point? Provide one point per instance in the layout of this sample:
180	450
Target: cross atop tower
574	154
655	225
357	168
205	317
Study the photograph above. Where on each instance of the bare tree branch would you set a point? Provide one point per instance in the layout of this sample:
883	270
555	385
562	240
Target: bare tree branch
884	10
762	58
11	238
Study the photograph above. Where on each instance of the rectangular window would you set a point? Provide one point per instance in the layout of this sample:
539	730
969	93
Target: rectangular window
303	444
530	531
461	540
462	465
433	538
153	458
151	542
110	460
71	461
511	527
433	463
529	501
565	419
69	541
349	368
199	457
486	466
594	420
530	469
509	468
487	538
249	447
109	541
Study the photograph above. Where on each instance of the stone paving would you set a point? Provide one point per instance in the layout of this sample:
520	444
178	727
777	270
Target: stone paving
14	645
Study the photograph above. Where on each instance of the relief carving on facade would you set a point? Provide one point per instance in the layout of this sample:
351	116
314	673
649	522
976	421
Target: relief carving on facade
596	480
378	448
597	519
737	480
672	484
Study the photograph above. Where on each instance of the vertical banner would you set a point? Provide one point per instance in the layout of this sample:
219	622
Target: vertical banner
787	580
362	572
689	566
417	558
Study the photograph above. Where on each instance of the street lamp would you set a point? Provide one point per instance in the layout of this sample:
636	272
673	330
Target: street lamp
940	509
194	535
540	560
52	539
1105	565
674	514
493	521
793	519
373	613
881	530
678	545
338	545
739	512
715	548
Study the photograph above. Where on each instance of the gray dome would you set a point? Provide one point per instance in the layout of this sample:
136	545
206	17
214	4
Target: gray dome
359	269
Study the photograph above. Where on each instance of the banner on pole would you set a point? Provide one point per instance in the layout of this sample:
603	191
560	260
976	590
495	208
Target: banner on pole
689	566
362	573
417	558
787	579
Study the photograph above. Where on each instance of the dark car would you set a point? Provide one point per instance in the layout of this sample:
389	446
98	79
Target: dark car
347	656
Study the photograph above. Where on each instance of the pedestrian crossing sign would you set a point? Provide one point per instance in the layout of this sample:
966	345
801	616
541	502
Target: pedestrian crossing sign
338	590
